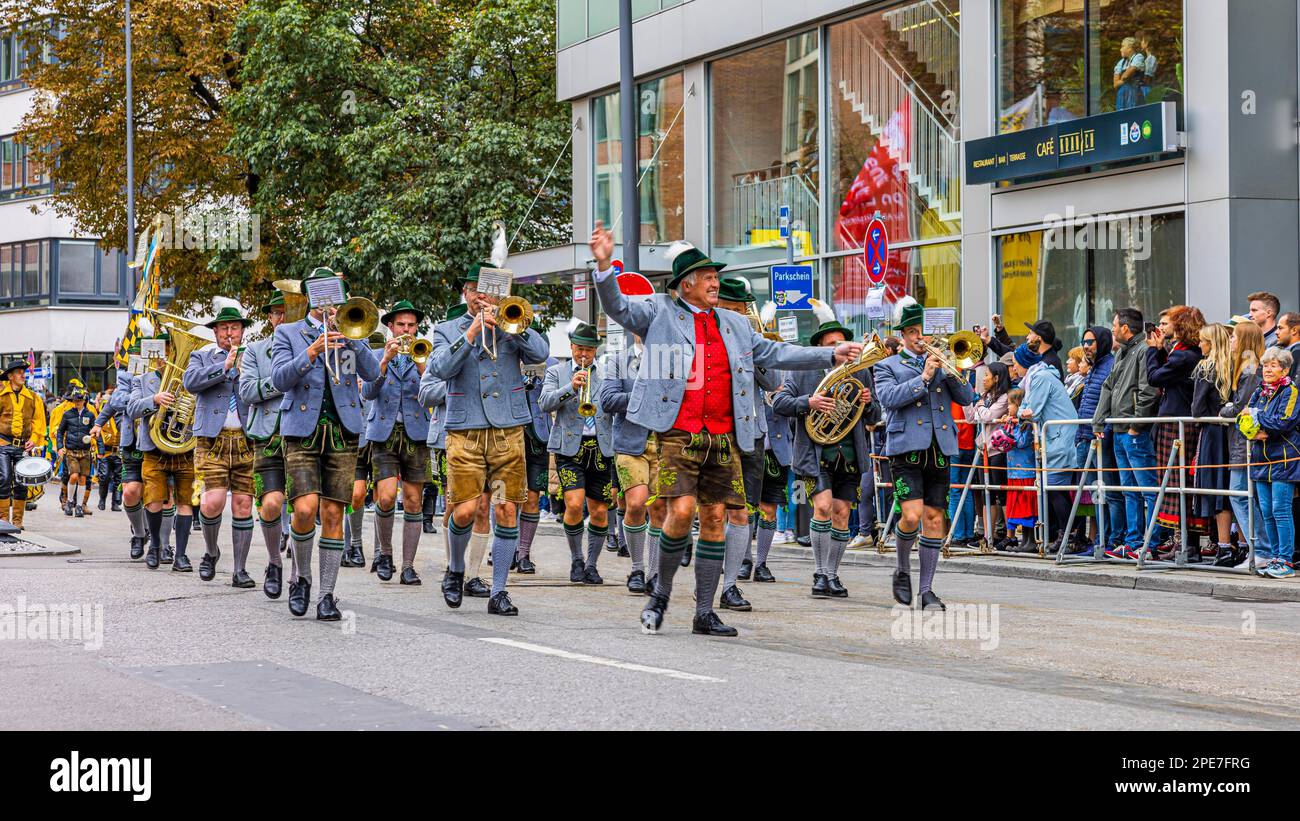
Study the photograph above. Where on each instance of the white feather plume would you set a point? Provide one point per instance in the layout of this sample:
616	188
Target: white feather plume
768	313
677	248
145	325
220	303
899	306
822	311
500	250
571	326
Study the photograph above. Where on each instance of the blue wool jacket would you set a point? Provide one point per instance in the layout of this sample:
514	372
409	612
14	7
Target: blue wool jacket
1091	393
1020	459
1278	418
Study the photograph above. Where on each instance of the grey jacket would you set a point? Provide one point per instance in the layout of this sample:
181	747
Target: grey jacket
780	434
115	409
668	327
917	413
433	396
142	407
303	381
394	397
615	389
212	386
483	393
1126	391
558	396
258	391
792	402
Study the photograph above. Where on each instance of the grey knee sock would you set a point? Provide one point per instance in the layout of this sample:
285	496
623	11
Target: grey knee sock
708	569
135	515
635	535
820	532
457	540
384	530
929	561
412	527
904	542
670	558
271	535
595	543
302	547
211	532
753	534
527	530
241	537
168	518
839	543
736	540
357	519
331	559
573	534
505	541
766	531
652	538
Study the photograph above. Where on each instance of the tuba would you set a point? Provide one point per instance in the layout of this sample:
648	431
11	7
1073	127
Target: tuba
172	428
827	428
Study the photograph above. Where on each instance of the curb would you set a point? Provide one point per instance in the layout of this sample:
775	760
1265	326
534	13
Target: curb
44	546
1161	581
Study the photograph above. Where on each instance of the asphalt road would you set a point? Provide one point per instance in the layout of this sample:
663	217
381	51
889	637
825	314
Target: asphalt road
178	653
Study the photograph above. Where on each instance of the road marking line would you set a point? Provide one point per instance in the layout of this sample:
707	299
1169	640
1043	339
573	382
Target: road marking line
622	665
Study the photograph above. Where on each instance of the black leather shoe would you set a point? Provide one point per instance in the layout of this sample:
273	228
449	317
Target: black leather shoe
930	601
623	552
590	576
377	561
117	506
67	508
526	566
650	584
453	588
327	609
636	582
687	553
500	605
514	563
477	589
353	557
151	558
837	590
137	547
181	564
208	567
903	588
820	589
242	580
385	570
803	541
732	600
103	500
409	576
710	625
428	525
168	555
577	570
652	617
299	595
762	574
272	581
284	542
746	570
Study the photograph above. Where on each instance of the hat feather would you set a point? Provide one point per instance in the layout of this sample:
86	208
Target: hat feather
768	313
899	306
677	249
145	324
220	303
822	311
500	249
571	326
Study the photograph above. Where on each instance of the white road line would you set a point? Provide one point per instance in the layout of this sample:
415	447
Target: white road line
622	665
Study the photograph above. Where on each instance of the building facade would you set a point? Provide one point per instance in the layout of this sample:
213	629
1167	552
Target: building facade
844	111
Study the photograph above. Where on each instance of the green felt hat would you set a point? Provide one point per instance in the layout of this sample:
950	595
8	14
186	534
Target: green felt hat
585	334
735	289
911	314
472	274
402	306
687	258
276	301
828	327
457	311
229	314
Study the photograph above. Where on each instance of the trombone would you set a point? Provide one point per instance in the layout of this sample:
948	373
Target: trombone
513	314
586	408
958	353
355	319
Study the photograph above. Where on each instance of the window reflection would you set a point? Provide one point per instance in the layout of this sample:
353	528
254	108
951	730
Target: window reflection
930	274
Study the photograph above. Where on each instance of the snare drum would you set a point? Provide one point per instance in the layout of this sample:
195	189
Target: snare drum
33	471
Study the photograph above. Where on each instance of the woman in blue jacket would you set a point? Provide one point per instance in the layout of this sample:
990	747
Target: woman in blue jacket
1275	456
1097	344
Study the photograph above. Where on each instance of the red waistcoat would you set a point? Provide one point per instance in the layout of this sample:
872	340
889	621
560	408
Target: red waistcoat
707	402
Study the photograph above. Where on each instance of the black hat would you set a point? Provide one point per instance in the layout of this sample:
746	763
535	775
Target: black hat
15	365
1045	329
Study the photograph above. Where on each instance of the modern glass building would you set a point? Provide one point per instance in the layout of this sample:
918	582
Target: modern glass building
1053	158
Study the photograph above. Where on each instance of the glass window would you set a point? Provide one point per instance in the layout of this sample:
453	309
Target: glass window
570	22
1079	276
895	147
1069	58
602	16
10	170
109	260
32	279
7	289
77	267
765	150
930	274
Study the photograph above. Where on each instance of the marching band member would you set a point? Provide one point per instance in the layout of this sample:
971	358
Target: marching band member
107	440
73	441
700	429
223	457
583	450
397	427
22	430
832	474
163	473
917	394
354	549
320	423
487	410
537	462
69	504
132	481
433	397
637	459
777	457
263	401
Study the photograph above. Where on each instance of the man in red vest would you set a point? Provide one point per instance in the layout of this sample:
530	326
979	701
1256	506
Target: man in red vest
695	390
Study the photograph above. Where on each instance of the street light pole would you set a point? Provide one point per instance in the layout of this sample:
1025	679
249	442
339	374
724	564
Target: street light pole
130	149
628	138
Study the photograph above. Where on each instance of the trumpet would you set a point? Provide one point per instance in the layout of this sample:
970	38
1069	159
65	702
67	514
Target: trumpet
586	408
958	353
418	349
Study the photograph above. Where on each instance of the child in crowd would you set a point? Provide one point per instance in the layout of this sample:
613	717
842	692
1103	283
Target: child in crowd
1022	505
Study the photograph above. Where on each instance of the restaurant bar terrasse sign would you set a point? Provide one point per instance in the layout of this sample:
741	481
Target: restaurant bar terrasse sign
1119	135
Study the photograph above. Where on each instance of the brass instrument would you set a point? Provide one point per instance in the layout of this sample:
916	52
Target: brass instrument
514	315
172	428
756	320
960	352
827	428
418	349
586	408
296	303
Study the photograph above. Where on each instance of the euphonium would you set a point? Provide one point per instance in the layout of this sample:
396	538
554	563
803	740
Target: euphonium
827	428
586	408
172	428
514	315
418	349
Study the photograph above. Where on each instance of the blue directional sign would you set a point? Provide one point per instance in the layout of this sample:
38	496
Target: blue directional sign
792	286
39	373
785	222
